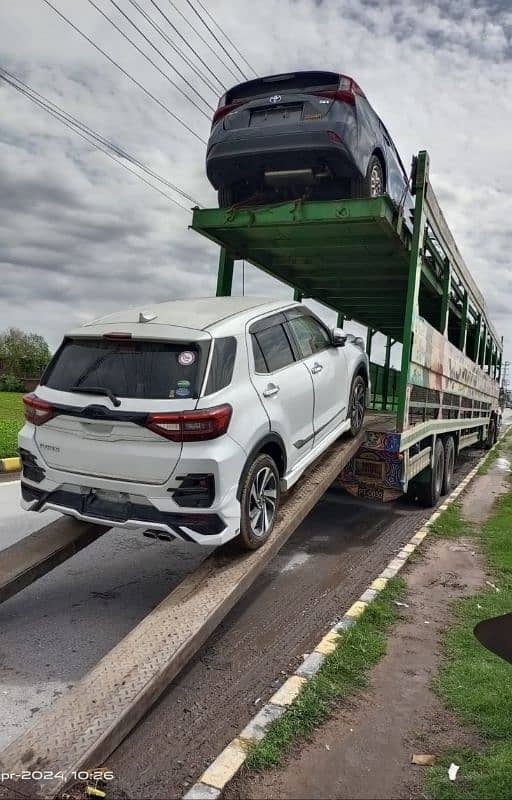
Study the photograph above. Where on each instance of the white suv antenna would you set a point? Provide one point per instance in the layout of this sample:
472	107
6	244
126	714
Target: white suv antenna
147	317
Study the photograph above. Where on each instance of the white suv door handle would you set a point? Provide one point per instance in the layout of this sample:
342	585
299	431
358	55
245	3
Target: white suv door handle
316	368
271	390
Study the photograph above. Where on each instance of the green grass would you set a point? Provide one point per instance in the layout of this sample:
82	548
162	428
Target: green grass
342	673
11	420
476	684
450	523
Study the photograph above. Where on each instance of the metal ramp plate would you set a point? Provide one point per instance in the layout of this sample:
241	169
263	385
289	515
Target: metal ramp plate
35	555
82	728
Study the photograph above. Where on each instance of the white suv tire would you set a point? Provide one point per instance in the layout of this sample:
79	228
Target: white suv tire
259	502
357	404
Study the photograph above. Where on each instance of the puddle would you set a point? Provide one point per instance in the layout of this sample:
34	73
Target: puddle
296	560
503	464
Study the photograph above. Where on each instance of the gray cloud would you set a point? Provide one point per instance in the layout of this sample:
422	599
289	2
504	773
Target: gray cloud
79	236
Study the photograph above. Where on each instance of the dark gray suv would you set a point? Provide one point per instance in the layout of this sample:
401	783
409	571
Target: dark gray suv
312	133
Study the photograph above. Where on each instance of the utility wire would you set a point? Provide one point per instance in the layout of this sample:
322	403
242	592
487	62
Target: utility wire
96	140
183	78
177	49
184	39
233	45
144	55
125	72
196	12
201	37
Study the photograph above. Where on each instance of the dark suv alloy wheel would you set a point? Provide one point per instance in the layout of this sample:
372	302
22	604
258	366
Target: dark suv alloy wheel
373	183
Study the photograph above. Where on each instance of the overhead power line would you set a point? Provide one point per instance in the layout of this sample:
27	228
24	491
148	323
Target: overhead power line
233	45
150	60
95	139
124	71
185	40
199	35
178	50
212	33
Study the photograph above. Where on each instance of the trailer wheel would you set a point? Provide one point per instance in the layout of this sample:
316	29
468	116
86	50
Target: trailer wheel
259	502
449	462
429	493
357	404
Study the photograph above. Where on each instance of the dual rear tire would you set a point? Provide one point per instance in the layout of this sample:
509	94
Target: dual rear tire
438	477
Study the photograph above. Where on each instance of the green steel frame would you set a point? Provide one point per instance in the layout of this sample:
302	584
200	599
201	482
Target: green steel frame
363	259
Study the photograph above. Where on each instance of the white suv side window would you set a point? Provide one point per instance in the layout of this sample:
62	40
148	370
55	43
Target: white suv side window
272	349
310	335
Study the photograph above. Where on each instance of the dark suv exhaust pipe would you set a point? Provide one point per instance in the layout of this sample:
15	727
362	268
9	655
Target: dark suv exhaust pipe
285	177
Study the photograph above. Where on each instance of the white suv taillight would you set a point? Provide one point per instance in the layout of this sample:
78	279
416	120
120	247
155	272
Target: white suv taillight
191	426
37	411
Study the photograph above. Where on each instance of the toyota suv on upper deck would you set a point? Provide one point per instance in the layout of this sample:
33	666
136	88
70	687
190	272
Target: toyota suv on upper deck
187	419
313	132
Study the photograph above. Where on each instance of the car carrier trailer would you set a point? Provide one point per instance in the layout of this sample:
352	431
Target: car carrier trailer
401	274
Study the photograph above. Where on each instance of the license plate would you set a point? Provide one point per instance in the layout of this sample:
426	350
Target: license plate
275	116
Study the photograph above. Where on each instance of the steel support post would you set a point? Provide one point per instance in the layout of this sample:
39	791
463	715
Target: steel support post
225	274
413	284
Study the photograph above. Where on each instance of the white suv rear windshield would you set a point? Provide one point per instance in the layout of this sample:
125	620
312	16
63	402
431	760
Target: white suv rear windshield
129	368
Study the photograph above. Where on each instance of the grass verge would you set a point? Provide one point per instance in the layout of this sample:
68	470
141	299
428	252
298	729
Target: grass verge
476	684
342	673
11	421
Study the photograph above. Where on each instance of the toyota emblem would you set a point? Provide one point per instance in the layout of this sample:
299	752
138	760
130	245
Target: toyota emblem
275	98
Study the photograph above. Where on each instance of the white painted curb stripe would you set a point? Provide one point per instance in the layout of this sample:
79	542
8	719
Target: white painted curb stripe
212	782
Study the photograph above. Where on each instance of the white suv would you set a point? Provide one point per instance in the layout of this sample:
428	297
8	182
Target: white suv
188	419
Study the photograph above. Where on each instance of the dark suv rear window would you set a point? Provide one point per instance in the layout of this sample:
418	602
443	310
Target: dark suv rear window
302	82
129	368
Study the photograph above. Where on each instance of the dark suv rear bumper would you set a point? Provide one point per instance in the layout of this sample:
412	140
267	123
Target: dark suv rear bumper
247	156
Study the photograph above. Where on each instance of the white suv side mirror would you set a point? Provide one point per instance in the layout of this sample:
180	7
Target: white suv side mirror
338	337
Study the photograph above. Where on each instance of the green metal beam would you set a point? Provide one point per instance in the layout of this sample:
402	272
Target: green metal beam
445	303
413	283
464	323
225	274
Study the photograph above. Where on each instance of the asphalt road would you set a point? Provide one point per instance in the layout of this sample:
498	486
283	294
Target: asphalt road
326	565
54	631
57	629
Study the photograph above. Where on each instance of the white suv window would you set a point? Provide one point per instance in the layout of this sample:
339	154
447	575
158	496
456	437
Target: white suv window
272	349
310	335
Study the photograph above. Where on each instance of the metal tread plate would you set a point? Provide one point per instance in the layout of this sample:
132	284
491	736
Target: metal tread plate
35	555
82	728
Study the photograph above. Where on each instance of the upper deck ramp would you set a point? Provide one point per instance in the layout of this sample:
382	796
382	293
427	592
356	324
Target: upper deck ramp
351	255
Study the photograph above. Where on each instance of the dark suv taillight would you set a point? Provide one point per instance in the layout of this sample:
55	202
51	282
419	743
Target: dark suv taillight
191	426
346	91
37	411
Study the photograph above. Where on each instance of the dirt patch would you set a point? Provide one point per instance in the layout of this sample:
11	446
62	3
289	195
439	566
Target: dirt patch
365	750
477	504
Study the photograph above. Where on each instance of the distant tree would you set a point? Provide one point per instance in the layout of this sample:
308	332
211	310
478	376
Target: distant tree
23	354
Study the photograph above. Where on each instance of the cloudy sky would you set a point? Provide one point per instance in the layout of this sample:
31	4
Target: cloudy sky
80	236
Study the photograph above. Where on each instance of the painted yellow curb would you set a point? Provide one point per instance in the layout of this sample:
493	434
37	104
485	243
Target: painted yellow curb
288	691
356	609
225	766
328	644
379	584
10	464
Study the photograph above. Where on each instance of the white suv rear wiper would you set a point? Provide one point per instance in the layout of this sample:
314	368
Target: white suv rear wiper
97	390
